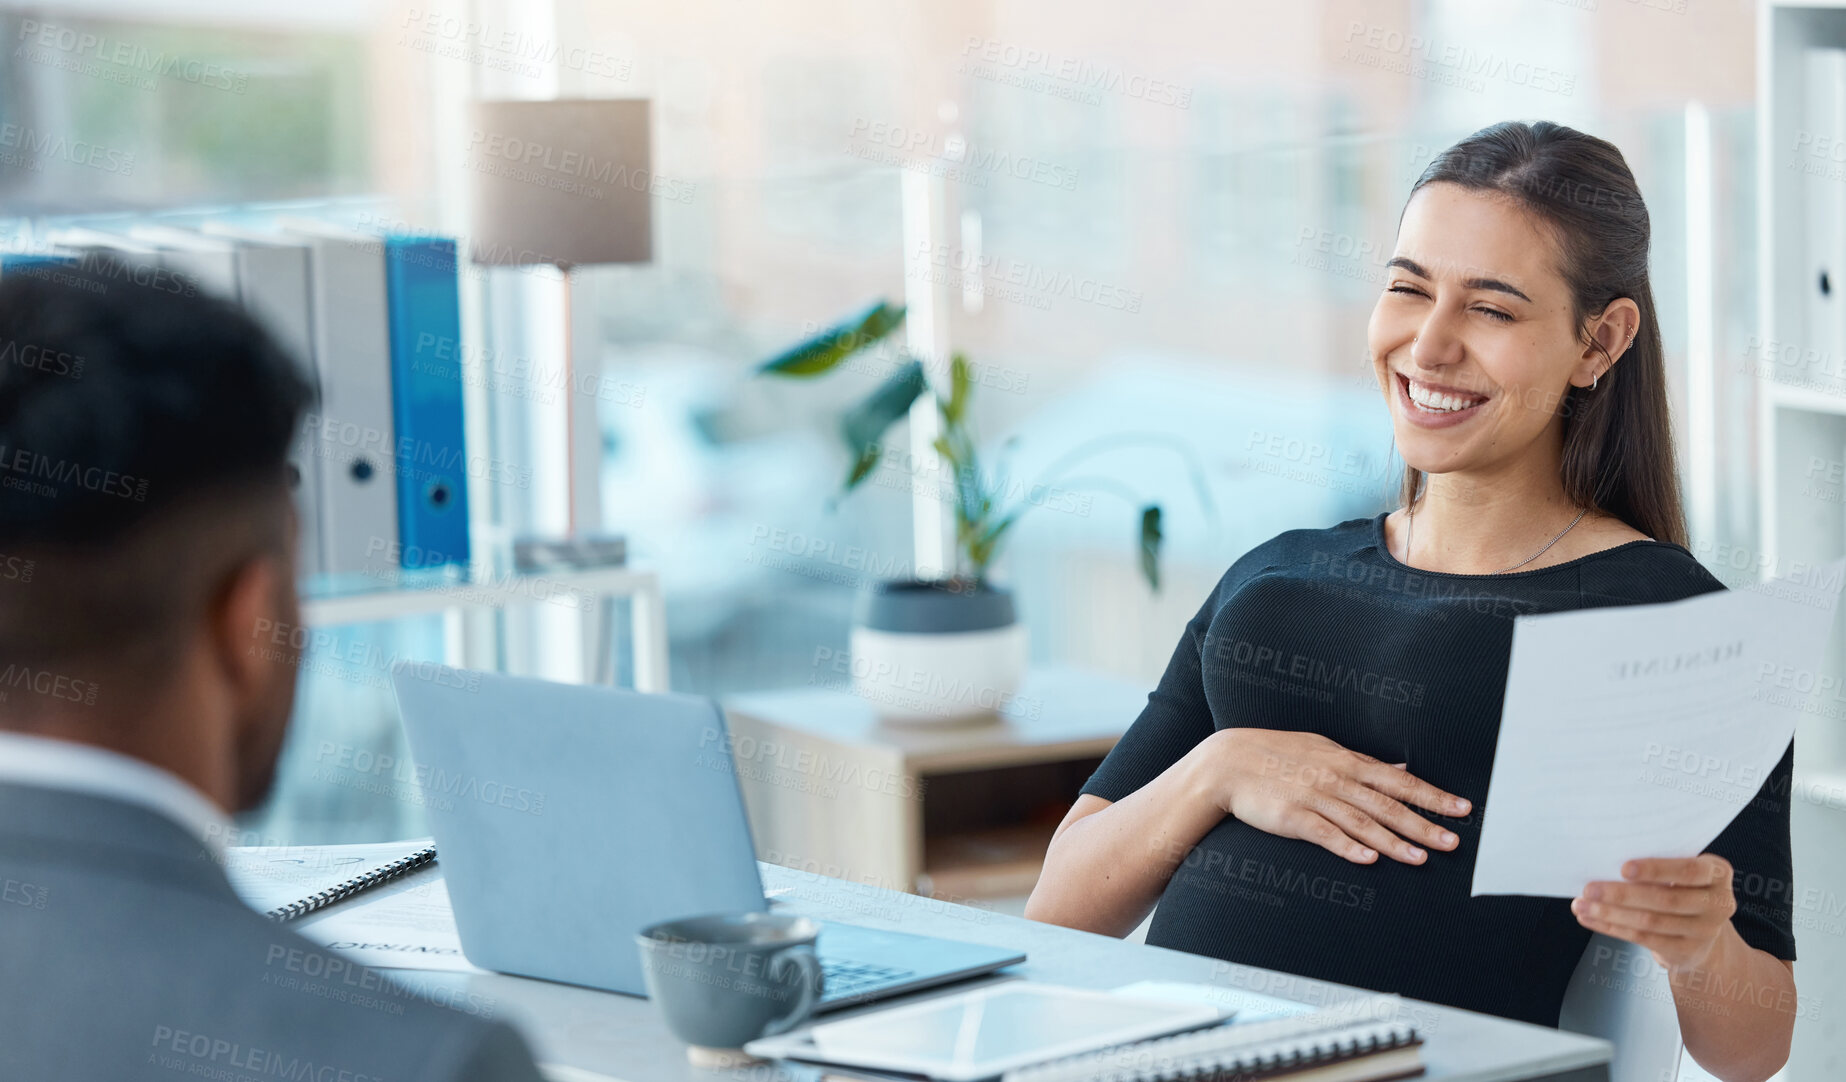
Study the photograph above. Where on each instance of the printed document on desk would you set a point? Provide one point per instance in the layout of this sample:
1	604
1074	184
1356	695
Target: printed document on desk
401	924
1642	730
405	924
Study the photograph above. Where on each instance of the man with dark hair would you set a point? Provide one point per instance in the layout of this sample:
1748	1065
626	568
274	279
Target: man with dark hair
146	534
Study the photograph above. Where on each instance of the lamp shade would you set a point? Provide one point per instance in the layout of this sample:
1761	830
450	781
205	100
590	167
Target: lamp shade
564	182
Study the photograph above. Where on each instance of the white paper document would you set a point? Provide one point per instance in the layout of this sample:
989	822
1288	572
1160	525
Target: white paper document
401	924
1642	730
405	924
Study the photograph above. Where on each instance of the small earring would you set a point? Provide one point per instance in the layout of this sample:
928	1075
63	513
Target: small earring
1593	380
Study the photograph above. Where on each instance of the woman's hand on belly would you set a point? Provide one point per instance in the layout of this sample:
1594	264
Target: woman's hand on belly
1303	785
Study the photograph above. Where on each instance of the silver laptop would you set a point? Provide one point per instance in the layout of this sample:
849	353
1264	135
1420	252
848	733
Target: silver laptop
568	817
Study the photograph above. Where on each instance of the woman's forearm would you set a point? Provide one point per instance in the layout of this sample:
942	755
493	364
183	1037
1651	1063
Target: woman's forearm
1105	871
1736	1010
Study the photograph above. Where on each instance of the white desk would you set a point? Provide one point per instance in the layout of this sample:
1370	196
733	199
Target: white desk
624	1038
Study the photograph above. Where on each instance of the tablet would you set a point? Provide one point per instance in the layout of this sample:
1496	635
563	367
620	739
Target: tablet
988	1031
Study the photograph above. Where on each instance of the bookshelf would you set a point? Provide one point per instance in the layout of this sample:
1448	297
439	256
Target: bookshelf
590	593
1799	356
1799	359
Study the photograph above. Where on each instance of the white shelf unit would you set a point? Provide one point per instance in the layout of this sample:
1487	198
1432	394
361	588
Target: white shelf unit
1801	349
1801	421
468	606
1800	358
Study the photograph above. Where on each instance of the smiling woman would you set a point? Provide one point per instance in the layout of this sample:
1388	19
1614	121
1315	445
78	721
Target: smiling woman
1519	280
1337	699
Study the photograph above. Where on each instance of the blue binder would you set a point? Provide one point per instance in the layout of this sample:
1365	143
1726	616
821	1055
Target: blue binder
25	262
426	400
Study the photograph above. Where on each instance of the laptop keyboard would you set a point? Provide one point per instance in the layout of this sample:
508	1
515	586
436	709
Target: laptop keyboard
841	979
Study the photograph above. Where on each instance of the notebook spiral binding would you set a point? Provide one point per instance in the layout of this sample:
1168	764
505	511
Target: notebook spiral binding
1252	1052
400	866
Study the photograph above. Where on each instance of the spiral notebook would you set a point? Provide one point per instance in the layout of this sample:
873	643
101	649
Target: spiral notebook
289	882
1320	1047
1363	1040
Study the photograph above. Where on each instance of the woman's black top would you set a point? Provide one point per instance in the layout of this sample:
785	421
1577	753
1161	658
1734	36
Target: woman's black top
1324	631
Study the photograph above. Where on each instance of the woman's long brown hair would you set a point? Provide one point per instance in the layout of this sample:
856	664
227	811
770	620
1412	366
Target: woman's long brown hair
1618	444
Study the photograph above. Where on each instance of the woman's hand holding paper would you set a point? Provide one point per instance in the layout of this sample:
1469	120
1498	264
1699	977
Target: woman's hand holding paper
1678	908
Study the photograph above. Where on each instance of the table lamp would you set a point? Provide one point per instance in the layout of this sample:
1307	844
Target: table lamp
563	182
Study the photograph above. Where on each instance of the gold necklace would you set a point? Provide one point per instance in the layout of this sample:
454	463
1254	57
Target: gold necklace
1410	526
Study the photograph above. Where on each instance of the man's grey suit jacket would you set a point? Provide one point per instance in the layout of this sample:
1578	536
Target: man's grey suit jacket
124	954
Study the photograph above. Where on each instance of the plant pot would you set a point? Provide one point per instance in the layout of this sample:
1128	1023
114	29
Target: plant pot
930	653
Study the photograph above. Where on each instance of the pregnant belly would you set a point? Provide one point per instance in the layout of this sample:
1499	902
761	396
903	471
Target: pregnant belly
1278	903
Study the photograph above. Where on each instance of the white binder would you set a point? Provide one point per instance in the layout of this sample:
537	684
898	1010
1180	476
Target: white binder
208	261
1823	325
272	285
353	434
141	259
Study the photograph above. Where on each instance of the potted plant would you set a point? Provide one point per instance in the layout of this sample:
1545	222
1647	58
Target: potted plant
947	649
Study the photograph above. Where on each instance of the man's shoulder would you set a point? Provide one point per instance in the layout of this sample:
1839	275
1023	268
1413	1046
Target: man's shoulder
389	1024
199	983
